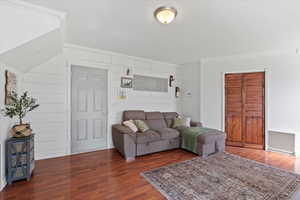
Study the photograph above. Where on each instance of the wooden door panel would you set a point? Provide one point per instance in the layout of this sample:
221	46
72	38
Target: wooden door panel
234	128
254	125
233	109
253	109
244	109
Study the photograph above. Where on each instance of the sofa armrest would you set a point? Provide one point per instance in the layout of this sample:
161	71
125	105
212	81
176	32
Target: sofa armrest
122	129
196	124
123	140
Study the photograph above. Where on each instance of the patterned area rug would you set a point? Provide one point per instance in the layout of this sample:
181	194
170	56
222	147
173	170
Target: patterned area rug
224	176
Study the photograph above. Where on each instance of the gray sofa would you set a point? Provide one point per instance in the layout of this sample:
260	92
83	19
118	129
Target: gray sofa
160	137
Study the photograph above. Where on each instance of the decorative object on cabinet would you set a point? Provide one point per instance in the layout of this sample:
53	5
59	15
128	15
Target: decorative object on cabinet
177	92
126	82
19	107
10	86
171	80
19	158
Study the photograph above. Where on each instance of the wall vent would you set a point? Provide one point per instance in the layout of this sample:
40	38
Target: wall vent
282	142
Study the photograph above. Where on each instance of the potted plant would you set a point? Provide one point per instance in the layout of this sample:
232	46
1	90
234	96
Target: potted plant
19	107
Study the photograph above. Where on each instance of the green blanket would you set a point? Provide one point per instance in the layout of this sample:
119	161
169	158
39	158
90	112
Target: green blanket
189	137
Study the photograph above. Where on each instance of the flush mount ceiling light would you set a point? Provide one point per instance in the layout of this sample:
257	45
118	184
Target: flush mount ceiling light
165	15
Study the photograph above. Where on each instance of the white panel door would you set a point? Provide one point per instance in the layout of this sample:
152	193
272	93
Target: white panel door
89	109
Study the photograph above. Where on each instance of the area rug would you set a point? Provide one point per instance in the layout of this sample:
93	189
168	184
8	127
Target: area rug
224	176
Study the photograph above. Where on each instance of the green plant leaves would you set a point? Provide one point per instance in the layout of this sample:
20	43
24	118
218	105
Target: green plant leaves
20	106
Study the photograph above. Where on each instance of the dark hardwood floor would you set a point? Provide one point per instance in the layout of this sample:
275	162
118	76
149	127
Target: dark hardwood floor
105	175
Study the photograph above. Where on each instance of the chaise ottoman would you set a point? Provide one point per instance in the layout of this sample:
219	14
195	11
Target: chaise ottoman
203	141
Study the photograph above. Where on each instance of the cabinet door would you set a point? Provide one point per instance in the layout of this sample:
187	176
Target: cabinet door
253	112
233	109
245	109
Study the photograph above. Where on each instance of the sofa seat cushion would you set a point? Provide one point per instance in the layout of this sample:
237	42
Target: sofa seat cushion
147	136
211	137
168	133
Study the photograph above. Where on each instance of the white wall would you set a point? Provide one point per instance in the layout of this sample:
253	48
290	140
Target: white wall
5	123
50	84
117	64
283	84
190	75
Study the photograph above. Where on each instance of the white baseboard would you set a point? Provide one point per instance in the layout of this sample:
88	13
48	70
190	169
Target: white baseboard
3	184
281	151
49	156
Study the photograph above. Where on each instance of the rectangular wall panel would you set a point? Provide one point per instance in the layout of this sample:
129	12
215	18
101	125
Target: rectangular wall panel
147	83
82	131
282	141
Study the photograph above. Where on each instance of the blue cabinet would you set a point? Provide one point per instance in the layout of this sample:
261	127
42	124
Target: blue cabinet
19	158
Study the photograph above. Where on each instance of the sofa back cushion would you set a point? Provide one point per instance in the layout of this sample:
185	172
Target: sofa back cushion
134	115
130	124
169	118
141	125
155	120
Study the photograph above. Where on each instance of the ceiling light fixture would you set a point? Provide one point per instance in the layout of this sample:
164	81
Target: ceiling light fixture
165	15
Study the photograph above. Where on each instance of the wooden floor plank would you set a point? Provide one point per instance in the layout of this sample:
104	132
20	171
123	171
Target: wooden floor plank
106	175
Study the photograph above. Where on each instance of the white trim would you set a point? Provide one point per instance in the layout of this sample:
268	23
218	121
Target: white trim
265	70
201	92
69	109
60	15
281	151
3	184
267	79
110	53
88	151
69	85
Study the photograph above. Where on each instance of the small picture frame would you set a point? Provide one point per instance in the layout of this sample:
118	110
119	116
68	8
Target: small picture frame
126	82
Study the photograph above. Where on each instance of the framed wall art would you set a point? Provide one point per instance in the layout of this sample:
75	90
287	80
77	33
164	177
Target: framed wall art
126	82
10	86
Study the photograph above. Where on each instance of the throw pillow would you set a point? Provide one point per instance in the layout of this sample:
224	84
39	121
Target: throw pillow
141	125
182	121
130	124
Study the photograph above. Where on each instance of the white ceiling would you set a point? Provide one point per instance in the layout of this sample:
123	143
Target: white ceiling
203	28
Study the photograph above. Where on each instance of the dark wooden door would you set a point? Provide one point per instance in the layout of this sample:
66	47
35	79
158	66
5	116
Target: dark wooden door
234	109
245	109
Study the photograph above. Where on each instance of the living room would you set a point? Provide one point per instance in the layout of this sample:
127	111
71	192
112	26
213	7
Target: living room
189	60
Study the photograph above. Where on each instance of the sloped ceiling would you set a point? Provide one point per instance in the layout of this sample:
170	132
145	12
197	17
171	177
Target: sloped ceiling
34	52
21	23
203	28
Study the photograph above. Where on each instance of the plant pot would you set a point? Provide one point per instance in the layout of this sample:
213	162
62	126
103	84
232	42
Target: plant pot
21	130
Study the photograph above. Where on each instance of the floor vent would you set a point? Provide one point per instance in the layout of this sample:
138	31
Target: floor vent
282	142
